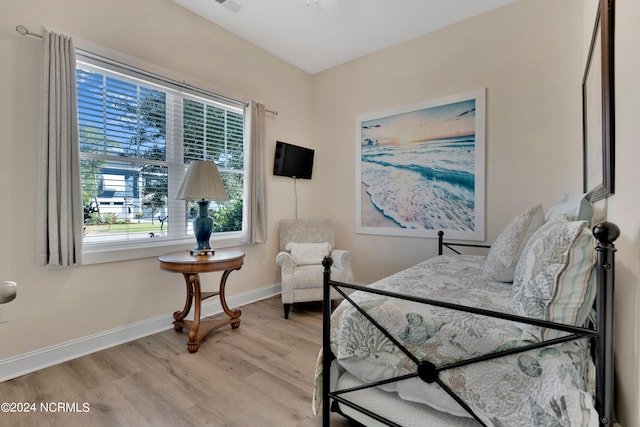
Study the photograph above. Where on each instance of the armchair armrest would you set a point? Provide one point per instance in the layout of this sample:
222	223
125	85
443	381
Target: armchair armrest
284	260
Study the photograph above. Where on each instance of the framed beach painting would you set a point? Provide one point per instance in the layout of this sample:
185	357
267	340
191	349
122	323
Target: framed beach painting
420	169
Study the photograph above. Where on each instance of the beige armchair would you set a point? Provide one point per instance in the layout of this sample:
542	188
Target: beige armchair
303	245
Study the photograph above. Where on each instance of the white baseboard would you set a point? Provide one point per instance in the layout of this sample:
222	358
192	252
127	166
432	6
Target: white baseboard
22	364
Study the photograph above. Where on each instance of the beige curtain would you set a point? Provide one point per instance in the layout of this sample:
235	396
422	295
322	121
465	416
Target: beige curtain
60	216
254	215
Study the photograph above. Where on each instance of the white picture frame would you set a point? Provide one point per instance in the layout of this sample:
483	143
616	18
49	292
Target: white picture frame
420	169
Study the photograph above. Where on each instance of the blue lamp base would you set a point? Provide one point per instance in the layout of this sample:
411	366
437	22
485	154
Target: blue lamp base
202	228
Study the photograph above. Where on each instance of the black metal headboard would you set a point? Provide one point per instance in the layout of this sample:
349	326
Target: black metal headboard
442	244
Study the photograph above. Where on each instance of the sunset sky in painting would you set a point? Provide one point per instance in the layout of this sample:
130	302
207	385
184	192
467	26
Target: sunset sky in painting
450	120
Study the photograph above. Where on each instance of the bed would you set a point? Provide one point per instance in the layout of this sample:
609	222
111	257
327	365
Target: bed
521	336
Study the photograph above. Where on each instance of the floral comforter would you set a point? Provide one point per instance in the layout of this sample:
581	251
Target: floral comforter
547	387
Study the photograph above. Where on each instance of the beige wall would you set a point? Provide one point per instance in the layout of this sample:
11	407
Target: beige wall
529	56
55	306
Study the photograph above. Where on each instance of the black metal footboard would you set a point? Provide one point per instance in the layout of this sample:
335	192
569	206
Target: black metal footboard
601	335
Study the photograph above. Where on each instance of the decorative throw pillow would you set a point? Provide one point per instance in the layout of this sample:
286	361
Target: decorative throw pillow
554	278
308	253
577	208
505	252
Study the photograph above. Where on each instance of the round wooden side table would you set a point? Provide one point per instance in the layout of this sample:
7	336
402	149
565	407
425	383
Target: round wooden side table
191	266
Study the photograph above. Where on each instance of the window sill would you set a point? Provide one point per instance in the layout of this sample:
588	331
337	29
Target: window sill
102	253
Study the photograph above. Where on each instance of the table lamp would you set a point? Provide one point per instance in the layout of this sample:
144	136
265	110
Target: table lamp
202	183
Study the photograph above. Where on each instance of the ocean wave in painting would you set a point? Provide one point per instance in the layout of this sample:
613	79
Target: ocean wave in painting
423	185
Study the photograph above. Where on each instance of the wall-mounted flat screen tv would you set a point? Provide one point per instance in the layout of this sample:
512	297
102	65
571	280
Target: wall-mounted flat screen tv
293	161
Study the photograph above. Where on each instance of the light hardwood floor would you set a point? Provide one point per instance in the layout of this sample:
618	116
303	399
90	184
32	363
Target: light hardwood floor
260	374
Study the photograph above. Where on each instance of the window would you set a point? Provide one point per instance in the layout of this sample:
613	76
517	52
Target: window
137	136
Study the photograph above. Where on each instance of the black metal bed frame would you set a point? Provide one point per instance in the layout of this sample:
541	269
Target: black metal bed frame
601	334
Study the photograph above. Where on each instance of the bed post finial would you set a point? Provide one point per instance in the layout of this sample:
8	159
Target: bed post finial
606	232
327	262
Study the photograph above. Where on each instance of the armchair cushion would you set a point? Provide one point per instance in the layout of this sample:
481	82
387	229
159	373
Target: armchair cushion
310	276
308	253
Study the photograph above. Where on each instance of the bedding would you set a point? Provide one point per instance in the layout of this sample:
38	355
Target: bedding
576	208
557	381
553	279
505	251
404	412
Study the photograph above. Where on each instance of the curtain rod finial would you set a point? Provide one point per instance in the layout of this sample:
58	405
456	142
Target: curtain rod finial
22	30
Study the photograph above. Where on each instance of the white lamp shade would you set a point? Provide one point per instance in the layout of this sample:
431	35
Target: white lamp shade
202	182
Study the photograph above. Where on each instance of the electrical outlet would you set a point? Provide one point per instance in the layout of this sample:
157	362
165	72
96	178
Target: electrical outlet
4	313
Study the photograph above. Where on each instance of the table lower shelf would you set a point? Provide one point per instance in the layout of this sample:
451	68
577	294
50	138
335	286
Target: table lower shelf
198	332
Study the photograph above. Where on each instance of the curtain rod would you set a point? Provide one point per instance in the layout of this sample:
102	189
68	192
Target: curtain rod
24	31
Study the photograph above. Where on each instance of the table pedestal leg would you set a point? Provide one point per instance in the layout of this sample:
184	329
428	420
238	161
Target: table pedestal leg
194	340
178	316
198	328
233	314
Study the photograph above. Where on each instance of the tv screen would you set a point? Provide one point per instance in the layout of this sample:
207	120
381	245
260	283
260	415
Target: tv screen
293	161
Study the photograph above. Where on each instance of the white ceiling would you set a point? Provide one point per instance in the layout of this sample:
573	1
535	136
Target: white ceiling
315	35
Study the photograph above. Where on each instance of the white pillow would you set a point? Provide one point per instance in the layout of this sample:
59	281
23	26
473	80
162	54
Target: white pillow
554	278
576	208
308	253
504	254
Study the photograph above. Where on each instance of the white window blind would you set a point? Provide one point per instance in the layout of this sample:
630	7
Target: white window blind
137	136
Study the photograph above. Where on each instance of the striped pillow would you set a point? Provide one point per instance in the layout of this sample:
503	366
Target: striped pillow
554	277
